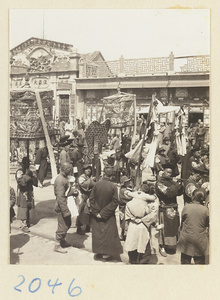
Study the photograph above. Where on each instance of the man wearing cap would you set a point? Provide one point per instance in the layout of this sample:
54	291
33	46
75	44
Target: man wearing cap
167	190
160	160
103	203
61	185
64	154
86	183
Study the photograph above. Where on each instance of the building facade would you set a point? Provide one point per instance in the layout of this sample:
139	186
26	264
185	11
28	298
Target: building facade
80	81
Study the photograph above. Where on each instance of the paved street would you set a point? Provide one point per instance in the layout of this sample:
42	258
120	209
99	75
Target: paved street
41	239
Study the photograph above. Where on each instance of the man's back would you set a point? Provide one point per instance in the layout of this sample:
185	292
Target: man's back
104	192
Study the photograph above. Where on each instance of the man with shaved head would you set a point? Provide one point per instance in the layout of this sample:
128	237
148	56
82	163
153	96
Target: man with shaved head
61	185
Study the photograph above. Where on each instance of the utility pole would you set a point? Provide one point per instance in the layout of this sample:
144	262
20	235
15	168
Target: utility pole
43	24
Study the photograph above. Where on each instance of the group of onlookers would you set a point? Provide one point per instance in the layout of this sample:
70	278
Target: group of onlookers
152	204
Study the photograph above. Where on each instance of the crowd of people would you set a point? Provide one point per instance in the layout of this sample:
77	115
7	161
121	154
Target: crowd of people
93	194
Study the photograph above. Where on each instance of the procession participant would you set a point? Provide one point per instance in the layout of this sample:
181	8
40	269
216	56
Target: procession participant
196	163
193	240
200	135
25	195
186	163
115	142
141	213
12	204
76	156
61	185
85	183
174	158
75	135
62	129
159	160
125	147
166	144
117	164
167	190
41	165
103	203
190	185
142	127
160	136
123	200
68	128
64	154
205	157
206	187
190	134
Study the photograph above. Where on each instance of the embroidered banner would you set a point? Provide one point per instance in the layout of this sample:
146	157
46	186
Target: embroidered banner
25	121
119	109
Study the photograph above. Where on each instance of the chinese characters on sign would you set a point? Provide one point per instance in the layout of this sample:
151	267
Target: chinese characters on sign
40	82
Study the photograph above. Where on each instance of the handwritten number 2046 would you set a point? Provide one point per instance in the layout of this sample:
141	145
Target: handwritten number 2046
35	284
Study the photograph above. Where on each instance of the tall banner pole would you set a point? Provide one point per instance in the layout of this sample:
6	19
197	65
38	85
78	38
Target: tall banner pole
46	134
138	177
135	123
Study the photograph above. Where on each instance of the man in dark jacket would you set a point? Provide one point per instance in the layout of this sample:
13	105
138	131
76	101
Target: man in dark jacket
61	185
76	157
103	203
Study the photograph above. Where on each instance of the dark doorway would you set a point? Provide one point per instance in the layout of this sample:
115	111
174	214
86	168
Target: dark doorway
194	117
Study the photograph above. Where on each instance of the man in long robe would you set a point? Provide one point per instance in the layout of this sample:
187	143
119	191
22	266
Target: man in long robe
103	203
41	165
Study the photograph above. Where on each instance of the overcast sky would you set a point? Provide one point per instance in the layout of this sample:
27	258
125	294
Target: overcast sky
132	33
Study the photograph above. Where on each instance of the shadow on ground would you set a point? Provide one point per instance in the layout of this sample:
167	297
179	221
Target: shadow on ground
77	240
16	242
43	209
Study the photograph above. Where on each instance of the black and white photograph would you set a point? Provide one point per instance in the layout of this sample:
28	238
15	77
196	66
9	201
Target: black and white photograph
109	139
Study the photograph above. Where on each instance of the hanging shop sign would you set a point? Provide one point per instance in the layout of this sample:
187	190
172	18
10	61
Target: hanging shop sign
39	82
196	109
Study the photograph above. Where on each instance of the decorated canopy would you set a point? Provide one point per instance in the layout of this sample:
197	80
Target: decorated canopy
25	120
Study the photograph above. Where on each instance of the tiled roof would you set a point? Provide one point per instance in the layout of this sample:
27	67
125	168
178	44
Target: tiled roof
91	56
97	58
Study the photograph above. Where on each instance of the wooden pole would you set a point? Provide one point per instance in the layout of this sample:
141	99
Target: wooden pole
49	145
135	124
28	150
100	117
138	176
